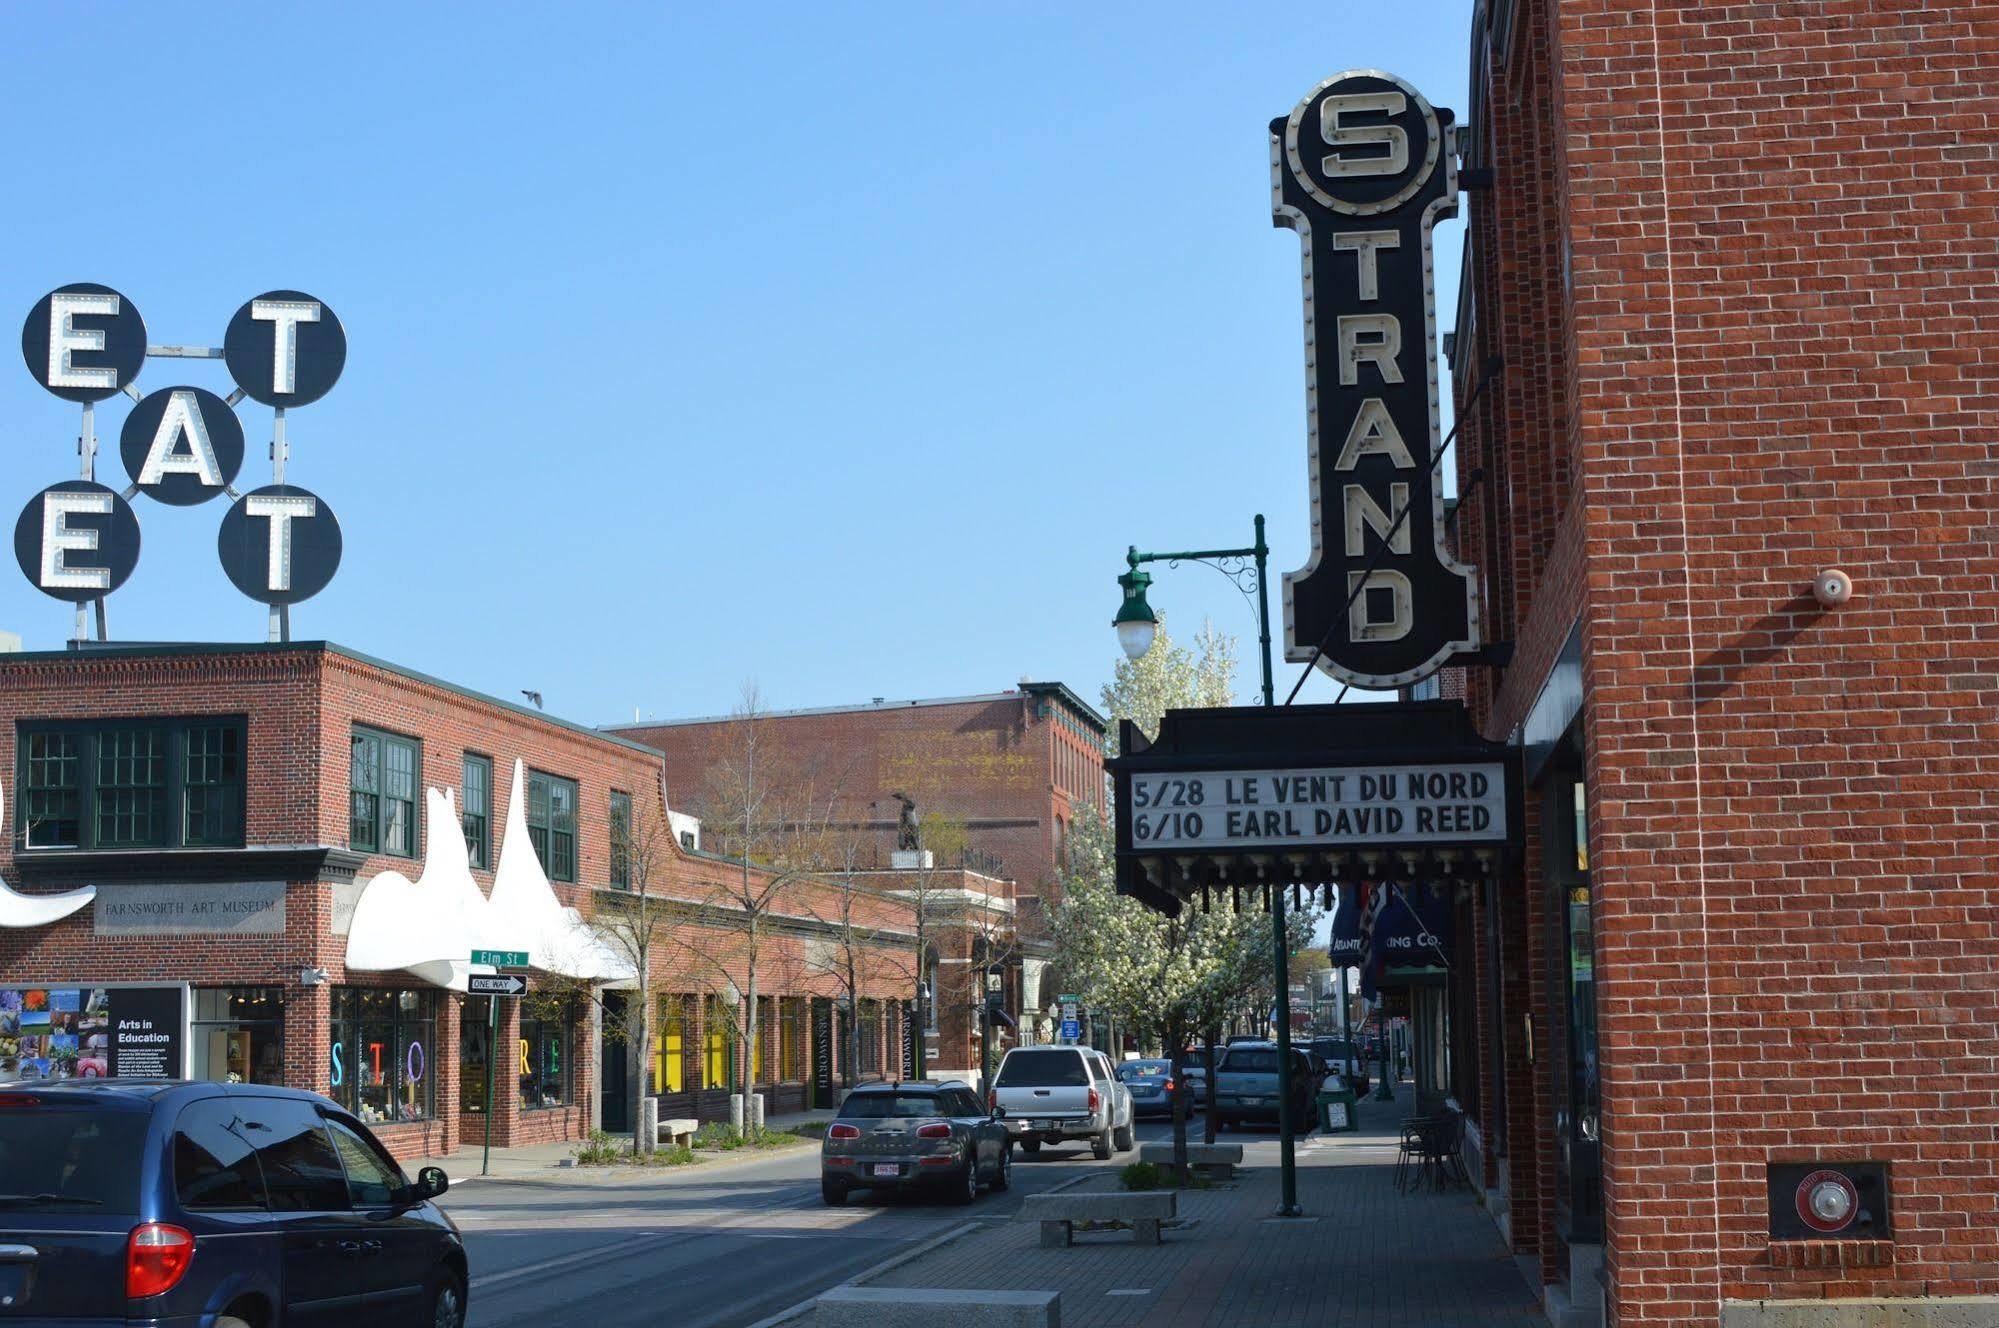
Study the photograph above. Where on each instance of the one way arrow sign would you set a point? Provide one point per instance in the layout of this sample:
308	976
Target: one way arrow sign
500	984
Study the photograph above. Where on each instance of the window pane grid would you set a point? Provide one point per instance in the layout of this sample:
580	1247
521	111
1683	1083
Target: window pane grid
477	810
621	840
51	815
213	773
551	813
131	787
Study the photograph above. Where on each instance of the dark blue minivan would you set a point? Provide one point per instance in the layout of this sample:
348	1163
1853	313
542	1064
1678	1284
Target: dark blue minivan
198	1205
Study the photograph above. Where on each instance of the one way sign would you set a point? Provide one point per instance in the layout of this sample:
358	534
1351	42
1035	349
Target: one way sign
498	984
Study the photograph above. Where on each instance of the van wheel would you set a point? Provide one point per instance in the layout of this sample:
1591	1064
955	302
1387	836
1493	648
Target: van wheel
446	1301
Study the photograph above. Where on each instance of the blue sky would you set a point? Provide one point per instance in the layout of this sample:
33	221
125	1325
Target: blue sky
841	348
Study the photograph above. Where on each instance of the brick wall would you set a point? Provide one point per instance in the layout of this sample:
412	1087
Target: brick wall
1772	356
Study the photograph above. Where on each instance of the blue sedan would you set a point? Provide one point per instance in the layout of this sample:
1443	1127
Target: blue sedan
1152	1087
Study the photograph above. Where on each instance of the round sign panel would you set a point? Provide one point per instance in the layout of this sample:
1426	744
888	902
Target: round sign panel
77	541
285	348
1363	142
182	445
280	544
84	342
1827	1201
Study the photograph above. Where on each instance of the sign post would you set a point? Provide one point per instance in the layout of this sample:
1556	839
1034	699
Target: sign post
493	987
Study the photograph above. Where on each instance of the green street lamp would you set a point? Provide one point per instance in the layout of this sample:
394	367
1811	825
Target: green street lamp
1137	627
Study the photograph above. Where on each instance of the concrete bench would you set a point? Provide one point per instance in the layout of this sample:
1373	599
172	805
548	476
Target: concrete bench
921	1307
1058	1213
1215	1161
678	1132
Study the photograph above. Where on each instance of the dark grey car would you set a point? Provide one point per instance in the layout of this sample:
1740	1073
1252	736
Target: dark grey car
933	1136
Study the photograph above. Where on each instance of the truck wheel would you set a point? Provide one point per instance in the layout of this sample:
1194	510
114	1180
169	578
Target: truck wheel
1032	1147
1100	1146
1123	1139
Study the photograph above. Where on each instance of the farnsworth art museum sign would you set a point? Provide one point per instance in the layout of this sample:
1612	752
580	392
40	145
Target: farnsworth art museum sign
1363	169
78	540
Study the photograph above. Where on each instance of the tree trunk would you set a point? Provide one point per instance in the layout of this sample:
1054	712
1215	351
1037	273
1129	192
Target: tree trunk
749	1025
1209	1038
638	1051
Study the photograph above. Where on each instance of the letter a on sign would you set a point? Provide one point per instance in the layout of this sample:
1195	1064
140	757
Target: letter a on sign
1363	169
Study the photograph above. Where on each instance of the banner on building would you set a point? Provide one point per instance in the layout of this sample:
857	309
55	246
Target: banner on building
79	1032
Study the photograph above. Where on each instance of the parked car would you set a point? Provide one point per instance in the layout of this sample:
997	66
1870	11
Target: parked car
1153	1087
1194	1069
1246	1086
1335	1053
217	1205
915	1135
1062	1095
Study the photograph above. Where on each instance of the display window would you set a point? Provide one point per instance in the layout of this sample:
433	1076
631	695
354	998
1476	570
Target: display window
238	1035
381	1053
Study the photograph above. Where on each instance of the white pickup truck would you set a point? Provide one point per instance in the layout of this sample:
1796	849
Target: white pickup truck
1061	1094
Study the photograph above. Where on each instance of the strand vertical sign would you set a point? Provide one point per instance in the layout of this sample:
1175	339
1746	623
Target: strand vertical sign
1363	169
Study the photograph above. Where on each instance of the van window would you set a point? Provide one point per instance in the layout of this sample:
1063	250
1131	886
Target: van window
214	1165
68	1159
372	1180
301	1171
1047	1068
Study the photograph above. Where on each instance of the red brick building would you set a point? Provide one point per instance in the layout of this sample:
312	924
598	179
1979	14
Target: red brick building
1740	262
1014	767
229	803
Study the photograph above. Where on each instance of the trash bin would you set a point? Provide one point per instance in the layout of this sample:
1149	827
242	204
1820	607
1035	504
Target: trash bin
1336	1111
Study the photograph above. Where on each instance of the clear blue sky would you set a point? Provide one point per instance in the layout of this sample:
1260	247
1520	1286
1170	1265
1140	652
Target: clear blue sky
841	348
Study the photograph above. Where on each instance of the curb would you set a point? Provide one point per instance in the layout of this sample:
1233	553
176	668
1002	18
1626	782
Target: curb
895	1261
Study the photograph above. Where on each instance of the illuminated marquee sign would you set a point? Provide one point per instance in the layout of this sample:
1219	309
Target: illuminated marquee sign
181	445
1363	169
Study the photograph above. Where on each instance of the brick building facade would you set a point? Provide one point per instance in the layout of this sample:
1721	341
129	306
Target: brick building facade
1739	261
1014	767
229	803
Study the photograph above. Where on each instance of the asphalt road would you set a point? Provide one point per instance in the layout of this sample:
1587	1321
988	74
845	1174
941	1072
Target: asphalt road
711	1246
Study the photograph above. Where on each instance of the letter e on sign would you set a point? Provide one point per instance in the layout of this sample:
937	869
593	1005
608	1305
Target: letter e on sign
84	342
77	541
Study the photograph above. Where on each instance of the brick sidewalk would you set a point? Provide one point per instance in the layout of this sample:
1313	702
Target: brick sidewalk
1363	1254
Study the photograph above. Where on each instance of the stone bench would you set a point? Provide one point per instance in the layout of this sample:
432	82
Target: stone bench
1058	1213
921	1307
678	1132
1215	1161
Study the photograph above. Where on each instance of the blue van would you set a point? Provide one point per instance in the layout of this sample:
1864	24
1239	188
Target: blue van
198	1205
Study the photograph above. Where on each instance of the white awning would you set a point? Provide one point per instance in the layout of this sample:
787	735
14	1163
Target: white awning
430	926
19	910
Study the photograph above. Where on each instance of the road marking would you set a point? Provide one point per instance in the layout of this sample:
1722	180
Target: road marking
1130	1291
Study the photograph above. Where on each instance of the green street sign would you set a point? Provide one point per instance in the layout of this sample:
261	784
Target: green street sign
501	958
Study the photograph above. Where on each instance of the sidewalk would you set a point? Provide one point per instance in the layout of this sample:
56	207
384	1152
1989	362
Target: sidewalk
544	1161
1362	1254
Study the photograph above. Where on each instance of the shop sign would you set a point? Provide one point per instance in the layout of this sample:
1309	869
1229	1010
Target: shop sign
58	1032
182	445
1277	809
255	908
822	1051
1363	169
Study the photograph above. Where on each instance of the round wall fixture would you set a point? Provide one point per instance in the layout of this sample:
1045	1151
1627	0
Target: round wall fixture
1827	1201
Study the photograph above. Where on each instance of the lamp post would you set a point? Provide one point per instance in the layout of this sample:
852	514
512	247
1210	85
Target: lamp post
1137	627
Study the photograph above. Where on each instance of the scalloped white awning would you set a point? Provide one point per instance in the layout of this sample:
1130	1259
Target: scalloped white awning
430	926
19	910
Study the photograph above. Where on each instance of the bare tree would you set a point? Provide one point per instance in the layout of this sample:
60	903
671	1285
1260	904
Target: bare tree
855	954
766	818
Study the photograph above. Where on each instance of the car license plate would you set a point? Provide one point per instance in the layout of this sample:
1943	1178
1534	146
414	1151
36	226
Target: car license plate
1257	1101
1044	1125
887	1169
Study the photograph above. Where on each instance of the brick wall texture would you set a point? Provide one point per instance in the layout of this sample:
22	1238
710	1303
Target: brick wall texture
1740	261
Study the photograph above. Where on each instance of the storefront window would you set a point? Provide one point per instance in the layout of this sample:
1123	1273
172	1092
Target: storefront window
544	1052
475	1040
670	1047
239	1035
718	1042
381	1053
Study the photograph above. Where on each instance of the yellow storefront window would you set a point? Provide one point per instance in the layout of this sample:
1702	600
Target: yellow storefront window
715	1047
669	1058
